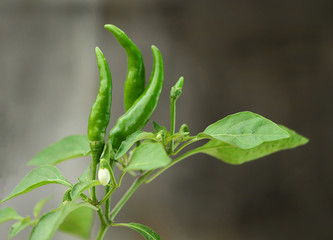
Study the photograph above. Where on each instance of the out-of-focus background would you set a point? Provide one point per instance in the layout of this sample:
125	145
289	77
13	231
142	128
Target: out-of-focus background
274	58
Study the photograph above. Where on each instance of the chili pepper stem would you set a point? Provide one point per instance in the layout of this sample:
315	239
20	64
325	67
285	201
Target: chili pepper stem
172	121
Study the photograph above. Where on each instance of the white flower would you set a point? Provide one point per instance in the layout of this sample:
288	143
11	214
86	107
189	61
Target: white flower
104	176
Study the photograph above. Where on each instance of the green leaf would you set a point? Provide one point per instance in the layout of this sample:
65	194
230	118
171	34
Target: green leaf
39	206
145	231
38	177
50	222
234	155
67	148
159	128
148	156
19	226
245	130
78	222
80	187
8	214
130	140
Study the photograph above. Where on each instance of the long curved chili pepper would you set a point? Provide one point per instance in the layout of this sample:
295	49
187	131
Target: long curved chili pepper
100	112
138	115
135	80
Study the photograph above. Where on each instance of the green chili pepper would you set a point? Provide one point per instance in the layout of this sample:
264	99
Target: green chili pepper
100	112
135	80
138	115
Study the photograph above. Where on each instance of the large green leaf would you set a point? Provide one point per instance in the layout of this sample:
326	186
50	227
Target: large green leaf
245	130
7	214
80	187
19	226
130	140
38	177
67	148
234	155
78	222
148	156
145	231
50	222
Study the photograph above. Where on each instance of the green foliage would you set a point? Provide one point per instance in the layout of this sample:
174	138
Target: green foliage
148	156
145	231
80	187
130	140
245	130
231	154
235	139
19	226
38	177
67	148
50	222
8	214
78	222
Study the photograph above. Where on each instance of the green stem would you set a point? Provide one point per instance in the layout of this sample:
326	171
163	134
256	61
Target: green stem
102	217
172	120
185	155
95	158
102	231
108	202
184	145
128	194
121	178
107	195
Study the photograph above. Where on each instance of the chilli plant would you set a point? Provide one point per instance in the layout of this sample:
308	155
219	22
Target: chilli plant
235	139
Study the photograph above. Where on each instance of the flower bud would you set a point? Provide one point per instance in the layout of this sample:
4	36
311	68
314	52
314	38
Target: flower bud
104	176
159	136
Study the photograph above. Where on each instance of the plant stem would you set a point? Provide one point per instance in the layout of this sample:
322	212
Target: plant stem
172	120
128	194
184	145
102	217
108	203
102	230
121	178
95	158
185	155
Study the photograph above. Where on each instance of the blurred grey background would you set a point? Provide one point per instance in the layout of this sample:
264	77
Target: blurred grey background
274	58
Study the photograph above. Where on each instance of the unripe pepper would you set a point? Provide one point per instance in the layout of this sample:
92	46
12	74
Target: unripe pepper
100	112
135	80
138	115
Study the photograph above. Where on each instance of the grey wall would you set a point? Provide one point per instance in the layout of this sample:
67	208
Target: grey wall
271	57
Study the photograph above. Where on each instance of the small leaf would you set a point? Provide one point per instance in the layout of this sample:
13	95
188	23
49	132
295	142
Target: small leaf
78	222
67	148
50	222
234	155
130	140
80	187
245	130
19	226
158	127
36	178
39	206
8	214
148	156
145	231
